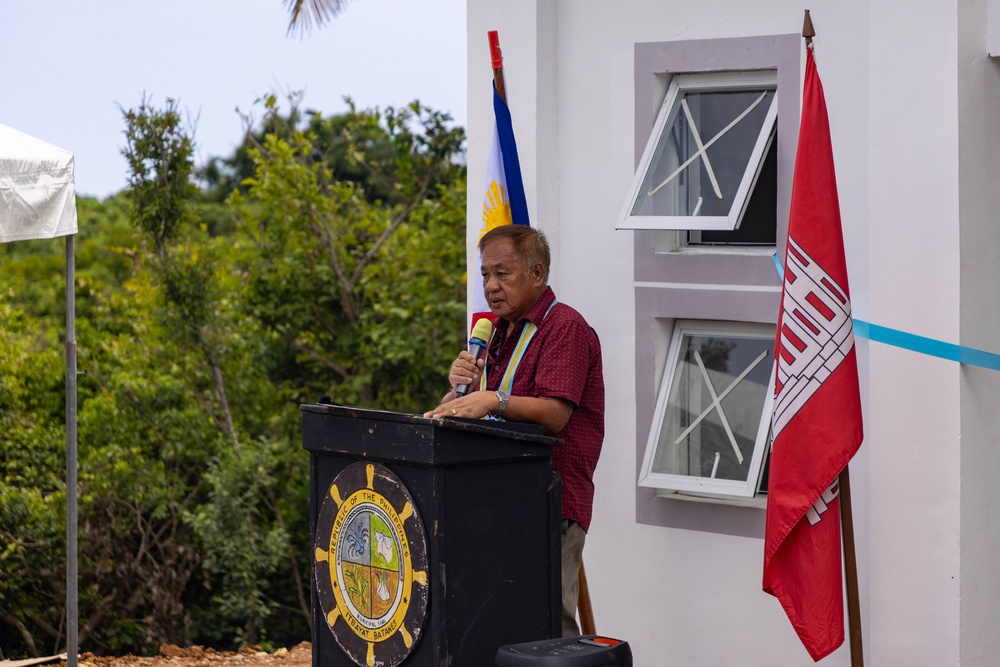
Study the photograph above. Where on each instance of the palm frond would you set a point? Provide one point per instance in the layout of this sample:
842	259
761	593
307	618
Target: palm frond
306	13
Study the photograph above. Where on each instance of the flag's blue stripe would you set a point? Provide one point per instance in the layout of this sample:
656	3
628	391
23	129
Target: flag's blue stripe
915	343
511	165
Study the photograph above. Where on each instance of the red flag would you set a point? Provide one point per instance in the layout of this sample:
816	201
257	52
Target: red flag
816	423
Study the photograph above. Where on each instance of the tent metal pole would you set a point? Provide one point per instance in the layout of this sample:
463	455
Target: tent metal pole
72	593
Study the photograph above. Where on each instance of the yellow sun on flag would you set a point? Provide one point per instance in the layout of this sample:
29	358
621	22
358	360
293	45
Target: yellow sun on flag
496	208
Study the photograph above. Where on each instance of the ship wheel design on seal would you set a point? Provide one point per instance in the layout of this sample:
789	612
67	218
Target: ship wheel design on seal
371	565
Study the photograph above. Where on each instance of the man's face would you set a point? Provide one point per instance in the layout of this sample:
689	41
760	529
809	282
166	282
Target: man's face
511	289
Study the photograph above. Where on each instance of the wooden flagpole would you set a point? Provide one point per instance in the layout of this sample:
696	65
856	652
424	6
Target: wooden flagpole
851	570
846	508
585	609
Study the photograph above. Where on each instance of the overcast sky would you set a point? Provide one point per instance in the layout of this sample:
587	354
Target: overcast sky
69	64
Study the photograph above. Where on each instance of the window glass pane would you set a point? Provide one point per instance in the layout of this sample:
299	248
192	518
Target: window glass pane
759	226
715	405
703	153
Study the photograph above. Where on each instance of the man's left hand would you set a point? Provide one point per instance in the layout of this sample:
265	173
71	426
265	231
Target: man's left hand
474	405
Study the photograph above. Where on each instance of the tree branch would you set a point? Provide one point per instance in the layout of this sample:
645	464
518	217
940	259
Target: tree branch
304	607
400	219
316	356
143	414
29	641
220	390
346	286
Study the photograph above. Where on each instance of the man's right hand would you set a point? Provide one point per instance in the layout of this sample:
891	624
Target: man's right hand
465	370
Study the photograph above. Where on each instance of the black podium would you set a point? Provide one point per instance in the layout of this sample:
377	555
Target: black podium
436	541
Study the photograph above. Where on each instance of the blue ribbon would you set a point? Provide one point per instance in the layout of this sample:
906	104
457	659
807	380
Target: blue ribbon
915	343
929	346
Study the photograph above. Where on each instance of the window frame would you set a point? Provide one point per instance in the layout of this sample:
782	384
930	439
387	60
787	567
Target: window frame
697	485
704	82
728	283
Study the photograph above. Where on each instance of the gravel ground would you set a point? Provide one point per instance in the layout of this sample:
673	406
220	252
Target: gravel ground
196	656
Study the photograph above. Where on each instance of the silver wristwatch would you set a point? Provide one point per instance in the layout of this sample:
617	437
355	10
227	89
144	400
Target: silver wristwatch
502	397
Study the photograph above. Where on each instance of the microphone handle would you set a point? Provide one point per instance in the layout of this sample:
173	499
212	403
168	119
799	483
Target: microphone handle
476	349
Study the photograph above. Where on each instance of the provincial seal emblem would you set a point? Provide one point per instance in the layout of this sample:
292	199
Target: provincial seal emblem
371	565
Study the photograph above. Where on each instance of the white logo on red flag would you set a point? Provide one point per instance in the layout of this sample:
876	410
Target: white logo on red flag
815	513
816	334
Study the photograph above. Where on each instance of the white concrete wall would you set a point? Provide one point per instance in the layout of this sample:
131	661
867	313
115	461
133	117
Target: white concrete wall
979	174
919	191
914	428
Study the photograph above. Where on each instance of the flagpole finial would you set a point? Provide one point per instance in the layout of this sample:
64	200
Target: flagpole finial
808	32
496	56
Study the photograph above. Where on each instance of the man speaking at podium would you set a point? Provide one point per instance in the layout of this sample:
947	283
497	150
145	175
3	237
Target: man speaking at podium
542	365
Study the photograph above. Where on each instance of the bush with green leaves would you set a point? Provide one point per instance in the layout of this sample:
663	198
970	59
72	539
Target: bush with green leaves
334	265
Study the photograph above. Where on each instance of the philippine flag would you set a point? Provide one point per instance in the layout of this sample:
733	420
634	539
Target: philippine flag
504	202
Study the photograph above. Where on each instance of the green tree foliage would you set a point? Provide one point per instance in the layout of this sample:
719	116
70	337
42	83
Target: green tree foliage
336	278
159	157
31	544
332	266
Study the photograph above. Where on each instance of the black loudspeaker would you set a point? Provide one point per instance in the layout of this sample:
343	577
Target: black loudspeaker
583	651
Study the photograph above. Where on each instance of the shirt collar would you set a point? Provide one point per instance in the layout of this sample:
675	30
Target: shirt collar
538	311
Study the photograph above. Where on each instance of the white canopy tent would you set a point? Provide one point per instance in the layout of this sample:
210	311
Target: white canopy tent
38	201
37	194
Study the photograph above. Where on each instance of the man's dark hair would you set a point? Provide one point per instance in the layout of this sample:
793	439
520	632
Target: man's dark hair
530	245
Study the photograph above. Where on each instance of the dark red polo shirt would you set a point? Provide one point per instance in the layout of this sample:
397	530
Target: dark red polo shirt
563	360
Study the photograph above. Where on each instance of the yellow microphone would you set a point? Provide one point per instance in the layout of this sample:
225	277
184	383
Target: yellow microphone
477	346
